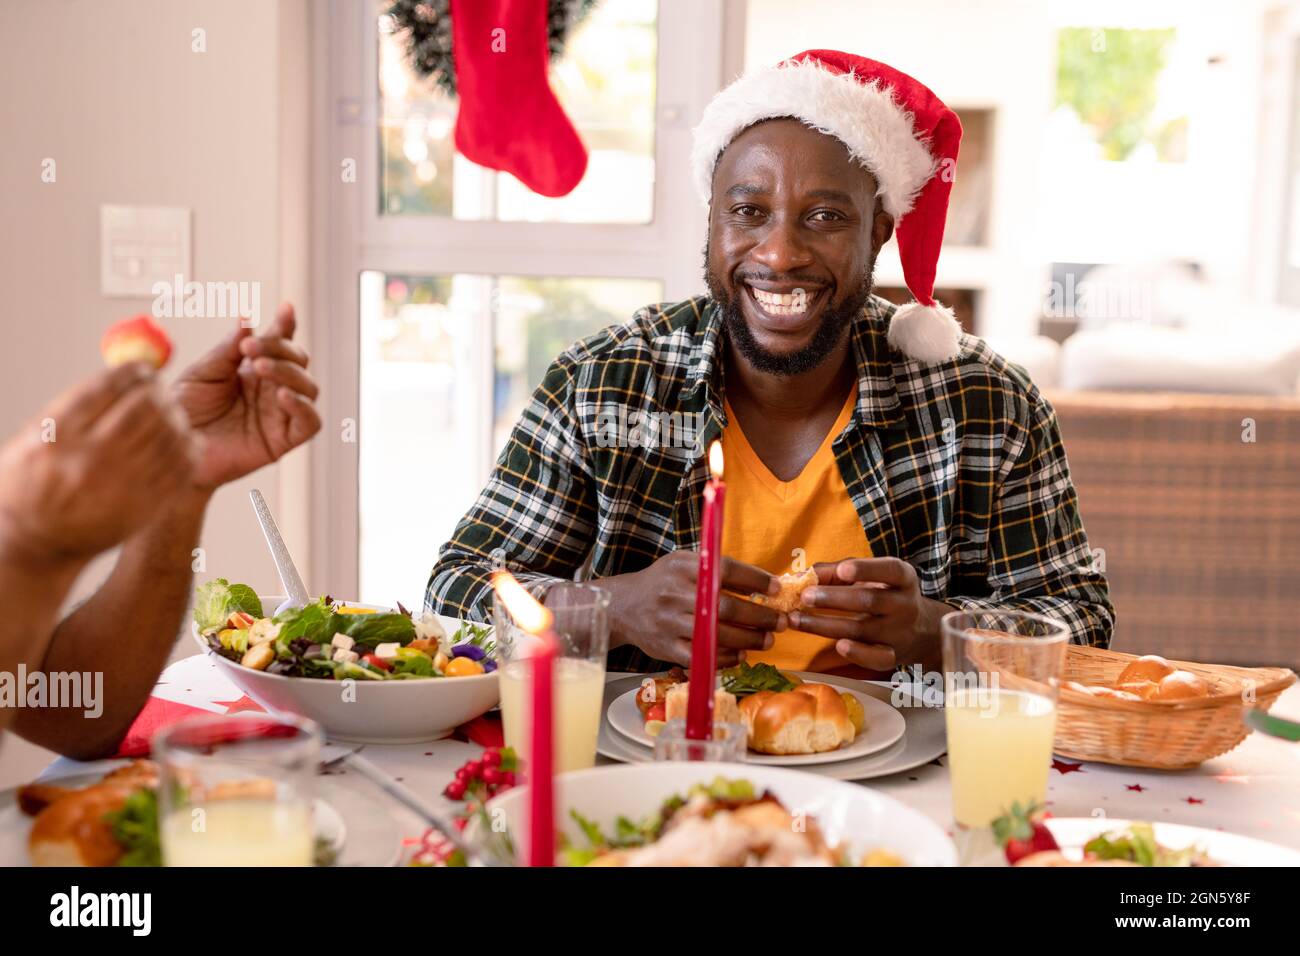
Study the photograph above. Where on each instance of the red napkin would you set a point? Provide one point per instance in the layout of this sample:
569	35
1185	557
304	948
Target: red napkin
485	731
155	715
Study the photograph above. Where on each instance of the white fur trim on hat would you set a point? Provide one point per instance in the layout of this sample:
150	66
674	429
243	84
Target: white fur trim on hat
863	116
925	333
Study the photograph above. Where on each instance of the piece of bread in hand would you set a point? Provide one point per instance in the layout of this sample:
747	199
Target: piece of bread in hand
810	719
724	704
789	597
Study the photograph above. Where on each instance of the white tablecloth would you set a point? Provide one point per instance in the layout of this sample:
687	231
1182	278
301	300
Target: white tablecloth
1254	790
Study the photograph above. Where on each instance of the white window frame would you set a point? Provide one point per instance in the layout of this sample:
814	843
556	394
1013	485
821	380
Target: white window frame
699	45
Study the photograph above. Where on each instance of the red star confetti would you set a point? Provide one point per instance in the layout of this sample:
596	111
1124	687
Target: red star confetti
244	703
1194	800
1136	787
1064	766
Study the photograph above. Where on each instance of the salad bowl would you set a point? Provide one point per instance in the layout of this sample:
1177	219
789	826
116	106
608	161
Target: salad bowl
859	820
366	711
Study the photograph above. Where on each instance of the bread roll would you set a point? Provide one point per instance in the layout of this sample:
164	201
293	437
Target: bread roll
1180	685
724	704
1114	693
1150	667
1141	688
789	598
812	718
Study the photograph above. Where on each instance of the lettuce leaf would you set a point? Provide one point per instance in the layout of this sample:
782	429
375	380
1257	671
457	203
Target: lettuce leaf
371	630
215	601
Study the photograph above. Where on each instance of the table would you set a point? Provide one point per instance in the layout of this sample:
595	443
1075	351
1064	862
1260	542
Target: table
1253	790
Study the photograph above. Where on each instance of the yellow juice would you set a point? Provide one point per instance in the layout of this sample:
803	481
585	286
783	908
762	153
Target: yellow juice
239	833
999	751
579	691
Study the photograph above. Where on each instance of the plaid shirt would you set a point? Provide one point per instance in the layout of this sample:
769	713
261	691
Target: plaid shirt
957	468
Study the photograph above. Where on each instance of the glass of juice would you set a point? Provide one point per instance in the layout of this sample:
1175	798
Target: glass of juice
581	626
1002	673
237	790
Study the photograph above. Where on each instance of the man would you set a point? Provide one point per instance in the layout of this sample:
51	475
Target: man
913	468
132	464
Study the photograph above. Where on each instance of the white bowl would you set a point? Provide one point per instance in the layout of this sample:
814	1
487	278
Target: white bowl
846	812
379	712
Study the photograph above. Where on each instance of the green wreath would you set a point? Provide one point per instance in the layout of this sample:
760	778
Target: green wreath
425	28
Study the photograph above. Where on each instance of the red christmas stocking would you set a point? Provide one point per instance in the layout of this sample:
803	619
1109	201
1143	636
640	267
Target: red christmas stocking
509	119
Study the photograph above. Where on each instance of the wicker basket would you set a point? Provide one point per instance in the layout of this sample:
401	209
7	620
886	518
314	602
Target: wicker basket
1170	735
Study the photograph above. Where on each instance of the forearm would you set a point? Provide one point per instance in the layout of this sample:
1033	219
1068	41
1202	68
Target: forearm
1090	621
35	589
125	631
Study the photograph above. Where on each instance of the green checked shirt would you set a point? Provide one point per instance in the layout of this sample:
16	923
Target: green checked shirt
956	468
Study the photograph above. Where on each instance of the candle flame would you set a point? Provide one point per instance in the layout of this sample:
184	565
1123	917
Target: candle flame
529	613
715	459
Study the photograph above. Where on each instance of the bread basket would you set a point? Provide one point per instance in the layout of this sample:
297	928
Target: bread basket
1172	735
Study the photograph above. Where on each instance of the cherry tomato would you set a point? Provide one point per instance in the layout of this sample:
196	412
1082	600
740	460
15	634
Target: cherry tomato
374	661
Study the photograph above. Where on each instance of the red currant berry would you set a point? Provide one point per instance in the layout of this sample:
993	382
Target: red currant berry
492	757
508	778
455	790
474	768
491	776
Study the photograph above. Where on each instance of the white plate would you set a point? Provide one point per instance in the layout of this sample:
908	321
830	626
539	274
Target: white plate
1228	849
16	825
884	727
385	712
846	813
925	740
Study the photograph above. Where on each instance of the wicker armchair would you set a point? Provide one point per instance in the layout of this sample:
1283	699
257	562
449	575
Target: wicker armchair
1199	528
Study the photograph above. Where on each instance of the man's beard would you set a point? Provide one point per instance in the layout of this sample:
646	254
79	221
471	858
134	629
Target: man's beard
835	319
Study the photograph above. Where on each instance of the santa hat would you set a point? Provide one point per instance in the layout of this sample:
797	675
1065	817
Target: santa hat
895	128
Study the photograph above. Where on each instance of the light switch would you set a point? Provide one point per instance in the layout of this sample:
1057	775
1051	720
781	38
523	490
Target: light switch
140	246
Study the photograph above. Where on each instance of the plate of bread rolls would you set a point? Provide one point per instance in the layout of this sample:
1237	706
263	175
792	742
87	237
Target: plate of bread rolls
792	718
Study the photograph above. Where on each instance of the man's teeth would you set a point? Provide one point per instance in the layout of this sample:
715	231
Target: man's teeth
792	303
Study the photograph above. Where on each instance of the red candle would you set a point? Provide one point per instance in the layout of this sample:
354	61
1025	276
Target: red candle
704	641
534	618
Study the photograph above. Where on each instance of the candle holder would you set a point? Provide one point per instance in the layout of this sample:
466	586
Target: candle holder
729	744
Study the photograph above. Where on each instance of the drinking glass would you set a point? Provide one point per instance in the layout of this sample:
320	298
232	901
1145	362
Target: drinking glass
237	790
1002	673
581	627
729	743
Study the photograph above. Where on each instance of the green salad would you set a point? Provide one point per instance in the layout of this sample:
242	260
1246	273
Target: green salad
329	640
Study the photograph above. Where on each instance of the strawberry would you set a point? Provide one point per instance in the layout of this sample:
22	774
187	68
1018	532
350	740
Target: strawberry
137	339
1021	832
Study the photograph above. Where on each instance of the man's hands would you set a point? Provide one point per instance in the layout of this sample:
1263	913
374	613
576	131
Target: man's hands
655	609
93	468
250	399
887	620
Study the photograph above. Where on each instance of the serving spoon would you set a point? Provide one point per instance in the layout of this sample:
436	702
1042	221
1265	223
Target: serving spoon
289	576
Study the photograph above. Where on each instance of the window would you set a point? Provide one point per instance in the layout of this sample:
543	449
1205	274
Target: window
447	365
444	289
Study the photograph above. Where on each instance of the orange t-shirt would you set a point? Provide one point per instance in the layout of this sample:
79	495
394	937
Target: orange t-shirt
767	521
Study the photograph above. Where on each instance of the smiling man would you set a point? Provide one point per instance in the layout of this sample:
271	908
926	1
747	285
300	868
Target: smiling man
910	466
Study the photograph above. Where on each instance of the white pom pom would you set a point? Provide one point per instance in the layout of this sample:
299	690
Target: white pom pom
925	333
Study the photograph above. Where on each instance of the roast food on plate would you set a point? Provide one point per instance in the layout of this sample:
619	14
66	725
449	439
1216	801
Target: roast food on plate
334	641
114	822
1026	841
789	598
783	714
724	823
110	823
1150	677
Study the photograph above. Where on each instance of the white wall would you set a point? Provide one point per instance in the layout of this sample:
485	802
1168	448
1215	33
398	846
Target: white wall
111	91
